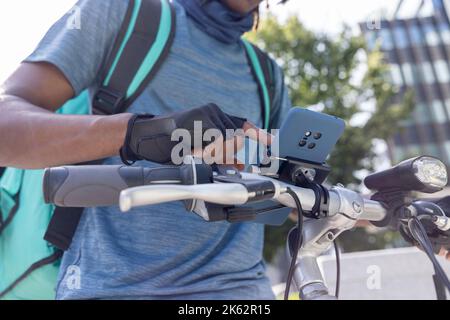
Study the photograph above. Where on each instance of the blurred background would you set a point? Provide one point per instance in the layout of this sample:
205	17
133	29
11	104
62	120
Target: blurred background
383	66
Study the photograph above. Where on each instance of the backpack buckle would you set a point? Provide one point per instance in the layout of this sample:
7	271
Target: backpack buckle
107	102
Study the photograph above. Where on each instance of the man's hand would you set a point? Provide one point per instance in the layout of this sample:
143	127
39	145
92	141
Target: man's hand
225	150
445	253
150	138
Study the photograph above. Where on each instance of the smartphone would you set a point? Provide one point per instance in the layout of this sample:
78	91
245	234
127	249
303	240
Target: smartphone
309	136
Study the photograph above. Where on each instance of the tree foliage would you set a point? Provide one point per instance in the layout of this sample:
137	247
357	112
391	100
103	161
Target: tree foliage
336	76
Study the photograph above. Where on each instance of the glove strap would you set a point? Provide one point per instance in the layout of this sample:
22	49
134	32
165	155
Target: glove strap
127	155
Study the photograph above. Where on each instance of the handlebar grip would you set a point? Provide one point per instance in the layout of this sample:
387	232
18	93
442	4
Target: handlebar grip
99	186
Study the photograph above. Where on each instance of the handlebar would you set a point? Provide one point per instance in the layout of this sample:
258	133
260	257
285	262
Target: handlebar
97	186
341	200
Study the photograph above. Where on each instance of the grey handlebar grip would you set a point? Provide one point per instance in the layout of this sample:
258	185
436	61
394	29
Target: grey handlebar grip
100	186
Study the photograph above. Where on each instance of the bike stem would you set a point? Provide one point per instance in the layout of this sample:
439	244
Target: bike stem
307	274
318	237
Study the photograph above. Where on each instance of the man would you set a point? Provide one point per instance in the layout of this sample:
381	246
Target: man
160	252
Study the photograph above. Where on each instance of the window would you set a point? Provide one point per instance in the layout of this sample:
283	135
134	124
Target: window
439	114
447	149
446	127
371	40
398	139
386	40
408	74
416	35
421	114
442	71
431	36
396	74
399	154
417	76
447	105
406	122
429	132
444	31
413	135
427	73
414	150
400	37
432	149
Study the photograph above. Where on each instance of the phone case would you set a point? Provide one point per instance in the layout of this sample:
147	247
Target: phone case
309	136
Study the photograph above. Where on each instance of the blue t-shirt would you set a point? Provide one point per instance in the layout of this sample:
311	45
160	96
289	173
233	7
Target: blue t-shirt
161	252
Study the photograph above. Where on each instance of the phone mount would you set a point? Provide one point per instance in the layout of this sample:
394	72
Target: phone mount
264	212
291	171
308	175
302	173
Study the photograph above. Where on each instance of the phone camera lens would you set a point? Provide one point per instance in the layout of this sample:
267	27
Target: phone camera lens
302	143
311	146
317	135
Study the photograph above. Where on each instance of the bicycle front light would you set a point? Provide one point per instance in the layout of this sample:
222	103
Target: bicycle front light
424	174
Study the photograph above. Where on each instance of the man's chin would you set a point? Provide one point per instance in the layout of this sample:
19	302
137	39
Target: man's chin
242	6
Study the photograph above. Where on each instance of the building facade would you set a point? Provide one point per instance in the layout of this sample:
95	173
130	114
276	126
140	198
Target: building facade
417	49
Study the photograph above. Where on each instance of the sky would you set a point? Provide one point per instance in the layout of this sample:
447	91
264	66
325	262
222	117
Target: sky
22	25
329	15
24	22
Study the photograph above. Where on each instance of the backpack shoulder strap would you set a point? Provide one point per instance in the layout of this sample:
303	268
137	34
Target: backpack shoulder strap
262	69
141	47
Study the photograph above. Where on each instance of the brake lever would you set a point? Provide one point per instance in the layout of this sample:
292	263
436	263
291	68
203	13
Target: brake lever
260	208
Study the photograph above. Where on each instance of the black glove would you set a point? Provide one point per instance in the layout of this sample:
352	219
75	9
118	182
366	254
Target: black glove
149	137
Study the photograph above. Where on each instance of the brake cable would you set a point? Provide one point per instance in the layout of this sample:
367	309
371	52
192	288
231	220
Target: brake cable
298	242
338	268
420	235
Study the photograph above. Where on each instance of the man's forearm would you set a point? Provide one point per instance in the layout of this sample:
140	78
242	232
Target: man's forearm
34	138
